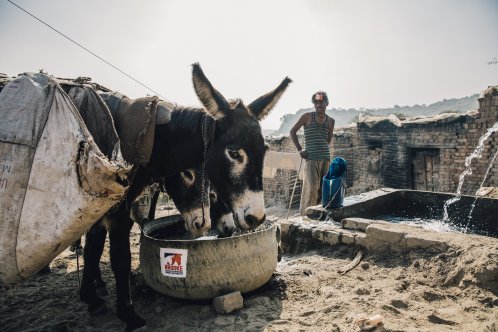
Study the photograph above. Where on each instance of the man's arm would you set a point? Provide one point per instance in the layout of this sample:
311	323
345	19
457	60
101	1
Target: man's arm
293	134
331	129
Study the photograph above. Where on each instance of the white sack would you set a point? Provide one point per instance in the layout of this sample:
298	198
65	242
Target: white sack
54	180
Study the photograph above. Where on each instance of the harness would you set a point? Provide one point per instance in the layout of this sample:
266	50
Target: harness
205	141
112	100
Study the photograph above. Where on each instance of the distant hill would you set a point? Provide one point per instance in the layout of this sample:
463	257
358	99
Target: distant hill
267	132
344	117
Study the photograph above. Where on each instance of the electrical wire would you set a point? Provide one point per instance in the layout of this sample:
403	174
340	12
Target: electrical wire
86	49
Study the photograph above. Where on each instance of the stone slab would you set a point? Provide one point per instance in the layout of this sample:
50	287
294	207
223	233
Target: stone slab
227	303
331	237
359	224
419	241
385	233
348	238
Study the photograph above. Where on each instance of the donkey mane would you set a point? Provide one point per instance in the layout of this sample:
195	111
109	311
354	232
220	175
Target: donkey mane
189	118
178	145
233	103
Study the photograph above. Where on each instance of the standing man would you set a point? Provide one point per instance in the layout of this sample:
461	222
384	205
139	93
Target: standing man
318	130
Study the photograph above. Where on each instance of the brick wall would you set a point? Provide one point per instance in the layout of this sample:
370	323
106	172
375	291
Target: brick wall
344	143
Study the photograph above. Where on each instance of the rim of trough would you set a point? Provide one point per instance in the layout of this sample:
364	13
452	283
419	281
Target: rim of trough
176	218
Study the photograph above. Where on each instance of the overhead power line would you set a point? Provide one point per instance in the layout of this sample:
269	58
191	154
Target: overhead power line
86	49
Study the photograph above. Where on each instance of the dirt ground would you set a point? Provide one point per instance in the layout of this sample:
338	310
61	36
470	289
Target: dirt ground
416	291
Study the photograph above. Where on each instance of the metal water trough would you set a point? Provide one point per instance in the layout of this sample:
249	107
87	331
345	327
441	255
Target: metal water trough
206	268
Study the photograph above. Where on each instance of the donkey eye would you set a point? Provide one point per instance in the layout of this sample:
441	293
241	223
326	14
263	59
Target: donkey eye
188	176
213	197
235	155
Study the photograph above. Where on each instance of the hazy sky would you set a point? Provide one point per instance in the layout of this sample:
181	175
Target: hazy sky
363	53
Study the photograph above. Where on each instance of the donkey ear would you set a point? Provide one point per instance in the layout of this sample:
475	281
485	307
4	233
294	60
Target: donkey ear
212	100
263	105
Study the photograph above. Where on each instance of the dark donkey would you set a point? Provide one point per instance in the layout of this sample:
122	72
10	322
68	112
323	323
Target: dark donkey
188	188
234	166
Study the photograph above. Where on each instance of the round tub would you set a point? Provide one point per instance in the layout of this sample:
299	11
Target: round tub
205	268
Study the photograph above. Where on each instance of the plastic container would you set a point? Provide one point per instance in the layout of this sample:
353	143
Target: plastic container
334	184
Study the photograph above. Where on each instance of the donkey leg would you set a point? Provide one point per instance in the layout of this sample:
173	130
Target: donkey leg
119	237
94	245
153	205
100	284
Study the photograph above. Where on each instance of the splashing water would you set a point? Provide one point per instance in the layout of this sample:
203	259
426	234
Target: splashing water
480	186
437	225
476	154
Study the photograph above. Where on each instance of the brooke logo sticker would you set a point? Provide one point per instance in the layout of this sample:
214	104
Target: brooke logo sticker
174	262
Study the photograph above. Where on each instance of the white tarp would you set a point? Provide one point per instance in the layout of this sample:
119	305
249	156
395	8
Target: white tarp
371	121
275	160
55	182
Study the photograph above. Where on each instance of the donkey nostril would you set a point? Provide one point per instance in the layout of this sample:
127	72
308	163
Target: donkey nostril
228	231
198	224
254	222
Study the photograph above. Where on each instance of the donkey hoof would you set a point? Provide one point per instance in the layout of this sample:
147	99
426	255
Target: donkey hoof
102	291
135	329
133	321
96	305
97	310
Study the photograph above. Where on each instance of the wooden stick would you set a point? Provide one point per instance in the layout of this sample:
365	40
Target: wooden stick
353	263
294	189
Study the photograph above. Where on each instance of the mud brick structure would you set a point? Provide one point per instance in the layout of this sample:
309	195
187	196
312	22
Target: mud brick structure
423	153
278	189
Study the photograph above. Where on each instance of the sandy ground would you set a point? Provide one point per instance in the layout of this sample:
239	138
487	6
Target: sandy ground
416	291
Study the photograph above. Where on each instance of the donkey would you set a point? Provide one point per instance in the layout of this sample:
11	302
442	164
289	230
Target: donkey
187	190
226	138
143	210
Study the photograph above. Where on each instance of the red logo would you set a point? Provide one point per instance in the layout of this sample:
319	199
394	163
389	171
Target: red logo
175	258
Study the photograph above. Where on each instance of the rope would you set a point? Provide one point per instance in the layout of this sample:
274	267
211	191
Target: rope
203	167
86	49
78	267
330	201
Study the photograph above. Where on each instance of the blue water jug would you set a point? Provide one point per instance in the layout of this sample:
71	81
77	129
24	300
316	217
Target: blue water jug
334	184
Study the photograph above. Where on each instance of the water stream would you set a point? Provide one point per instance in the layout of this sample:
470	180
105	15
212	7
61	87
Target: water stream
468	170
480	186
